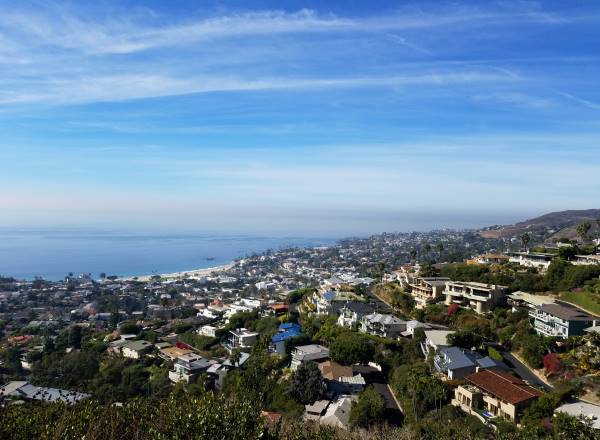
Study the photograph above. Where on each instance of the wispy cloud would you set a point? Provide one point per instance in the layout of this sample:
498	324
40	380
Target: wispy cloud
584	102
128	87
519	99
64	28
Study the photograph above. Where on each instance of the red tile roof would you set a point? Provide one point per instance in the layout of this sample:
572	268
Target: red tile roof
271	418
503	386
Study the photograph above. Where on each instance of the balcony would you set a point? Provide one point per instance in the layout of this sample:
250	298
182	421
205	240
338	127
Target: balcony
545	328
540	316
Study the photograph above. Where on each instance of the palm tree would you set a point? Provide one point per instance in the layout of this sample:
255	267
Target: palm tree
381	267
525	239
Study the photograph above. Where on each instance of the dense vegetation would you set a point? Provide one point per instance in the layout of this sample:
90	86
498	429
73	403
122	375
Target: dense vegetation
560	276
214	417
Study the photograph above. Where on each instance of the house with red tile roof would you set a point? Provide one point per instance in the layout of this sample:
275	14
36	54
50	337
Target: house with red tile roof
492	393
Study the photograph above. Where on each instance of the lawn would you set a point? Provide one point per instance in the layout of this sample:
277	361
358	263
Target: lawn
586	300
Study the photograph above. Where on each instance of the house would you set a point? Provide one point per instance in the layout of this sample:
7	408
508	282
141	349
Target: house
337	413
24	390
278	309
172	353
527	300
241	338
455	363
578	408
19	340
352	312
532	259
136	349
208	330
341	379
115	347
307	353
586	260
479	297
285	332
314	411
240	307
188	367
427	290
560	320
384	326
413	325
492	259
492	393
405	275
434	340
323	302
217	371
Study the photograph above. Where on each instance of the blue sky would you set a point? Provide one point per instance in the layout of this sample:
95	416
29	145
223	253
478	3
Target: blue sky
331	118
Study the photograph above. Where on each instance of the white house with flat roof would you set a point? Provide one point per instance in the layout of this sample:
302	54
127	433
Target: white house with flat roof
586	260
532	259
241	338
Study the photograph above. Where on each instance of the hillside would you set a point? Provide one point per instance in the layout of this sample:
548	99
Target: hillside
555	224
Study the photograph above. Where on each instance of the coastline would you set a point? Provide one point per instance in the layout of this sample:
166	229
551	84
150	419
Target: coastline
203	272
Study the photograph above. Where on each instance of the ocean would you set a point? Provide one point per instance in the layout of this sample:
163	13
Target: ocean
52	254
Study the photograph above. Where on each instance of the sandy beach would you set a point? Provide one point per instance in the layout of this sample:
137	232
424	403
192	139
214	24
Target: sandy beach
187	273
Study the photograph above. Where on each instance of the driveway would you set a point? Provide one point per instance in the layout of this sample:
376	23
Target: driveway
523	371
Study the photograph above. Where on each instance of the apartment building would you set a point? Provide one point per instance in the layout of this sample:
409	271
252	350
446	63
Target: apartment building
478	297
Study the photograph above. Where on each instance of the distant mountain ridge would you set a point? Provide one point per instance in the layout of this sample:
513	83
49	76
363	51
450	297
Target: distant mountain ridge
562	224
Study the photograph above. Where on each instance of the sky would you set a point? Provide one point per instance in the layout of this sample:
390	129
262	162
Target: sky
333	118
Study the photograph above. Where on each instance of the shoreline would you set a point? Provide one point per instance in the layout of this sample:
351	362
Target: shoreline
202	272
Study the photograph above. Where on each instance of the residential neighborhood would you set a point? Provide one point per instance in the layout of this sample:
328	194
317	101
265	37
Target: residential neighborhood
314	334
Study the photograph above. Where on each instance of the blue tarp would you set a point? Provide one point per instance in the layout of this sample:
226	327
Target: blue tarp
287	331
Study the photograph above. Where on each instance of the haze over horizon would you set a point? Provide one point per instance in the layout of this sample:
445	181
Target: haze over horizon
302	118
